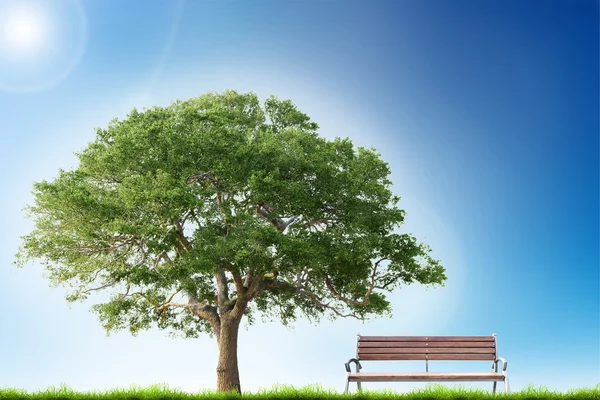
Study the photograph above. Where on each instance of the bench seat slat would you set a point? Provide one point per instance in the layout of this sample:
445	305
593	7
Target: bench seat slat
381	357
425	376
425	344
426	338
423	350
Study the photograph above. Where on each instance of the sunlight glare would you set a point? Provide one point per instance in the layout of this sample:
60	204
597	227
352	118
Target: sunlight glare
24	31
41	42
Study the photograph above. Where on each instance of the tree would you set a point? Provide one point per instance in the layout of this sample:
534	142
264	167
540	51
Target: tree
202	212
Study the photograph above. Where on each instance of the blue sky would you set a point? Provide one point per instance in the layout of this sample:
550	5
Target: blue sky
486	111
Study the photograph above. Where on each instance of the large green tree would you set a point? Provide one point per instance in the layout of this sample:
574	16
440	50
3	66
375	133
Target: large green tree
197	214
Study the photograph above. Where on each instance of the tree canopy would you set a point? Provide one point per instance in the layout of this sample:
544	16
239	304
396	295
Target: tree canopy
215	208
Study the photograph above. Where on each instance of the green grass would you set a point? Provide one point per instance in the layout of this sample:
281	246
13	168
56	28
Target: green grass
284	392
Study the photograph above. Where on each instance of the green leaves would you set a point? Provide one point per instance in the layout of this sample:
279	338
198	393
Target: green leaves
284	115
168	197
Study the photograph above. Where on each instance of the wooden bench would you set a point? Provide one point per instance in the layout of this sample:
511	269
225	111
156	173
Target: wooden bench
380	348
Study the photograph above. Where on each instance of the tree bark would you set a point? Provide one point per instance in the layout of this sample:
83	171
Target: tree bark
228	376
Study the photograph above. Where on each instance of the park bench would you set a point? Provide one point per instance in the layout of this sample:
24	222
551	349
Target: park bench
380	348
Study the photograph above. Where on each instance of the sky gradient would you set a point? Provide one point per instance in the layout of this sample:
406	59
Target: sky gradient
486	111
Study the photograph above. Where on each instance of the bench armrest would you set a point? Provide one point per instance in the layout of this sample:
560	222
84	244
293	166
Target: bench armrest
503	361
354	360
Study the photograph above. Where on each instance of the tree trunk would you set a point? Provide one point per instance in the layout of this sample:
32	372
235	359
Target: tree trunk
228	376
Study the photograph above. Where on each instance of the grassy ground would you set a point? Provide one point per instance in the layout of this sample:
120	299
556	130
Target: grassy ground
284	392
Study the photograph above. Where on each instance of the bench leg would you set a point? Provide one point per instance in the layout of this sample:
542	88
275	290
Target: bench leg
506	386
348	384
494	387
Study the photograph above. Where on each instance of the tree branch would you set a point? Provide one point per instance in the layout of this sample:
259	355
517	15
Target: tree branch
192	214
206	312
88	250
101	287
277	284
122	296
292	221
265	211
320	221
342	298
253	284
182	239
248	279
372	285
237	279
169	304
319	303
161	256
327	209
96	274
222	289
302	278
204	176
144	297
162	308
387	280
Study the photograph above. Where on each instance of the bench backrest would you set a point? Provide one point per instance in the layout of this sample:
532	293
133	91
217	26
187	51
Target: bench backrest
426	347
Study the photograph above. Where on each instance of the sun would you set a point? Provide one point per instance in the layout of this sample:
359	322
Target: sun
41	42
23	30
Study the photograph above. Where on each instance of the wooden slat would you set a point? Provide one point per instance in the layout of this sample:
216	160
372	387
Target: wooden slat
425	376
373	357
381	357
425	344
423	350
425	338
460	356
